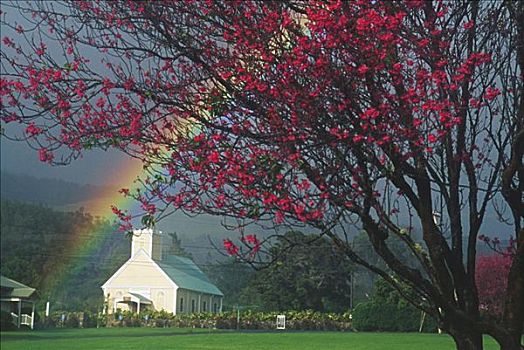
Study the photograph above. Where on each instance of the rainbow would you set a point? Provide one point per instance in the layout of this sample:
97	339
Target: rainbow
85	243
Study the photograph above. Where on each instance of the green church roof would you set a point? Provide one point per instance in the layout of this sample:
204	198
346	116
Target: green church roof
186	274
13	289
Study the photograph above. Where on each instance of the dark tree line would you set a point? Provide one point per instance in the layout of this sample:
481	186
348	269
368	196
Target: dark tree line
46	249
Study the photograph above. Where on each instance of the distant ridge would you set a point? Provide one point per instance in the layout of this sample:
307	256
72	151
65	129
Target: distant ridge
54	192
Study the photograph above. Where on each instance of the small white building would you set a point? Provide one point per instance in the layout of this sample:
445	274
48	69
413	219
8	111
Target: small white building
158	281
18	300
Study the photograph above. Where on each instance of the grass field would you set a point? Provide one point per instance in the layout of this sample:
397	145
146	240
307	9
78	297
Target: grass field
193	339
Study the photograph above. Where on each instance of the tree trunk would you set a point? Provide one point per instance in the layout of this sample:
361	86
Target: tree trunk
510	344
468	337
465	338
507	341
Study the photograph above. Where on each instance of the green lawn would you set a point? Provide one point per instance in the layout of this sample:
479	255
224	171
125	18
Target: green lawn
180	339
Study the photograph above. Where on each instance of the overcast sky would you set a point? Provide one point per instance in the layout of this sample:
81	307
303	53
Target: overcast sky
96	167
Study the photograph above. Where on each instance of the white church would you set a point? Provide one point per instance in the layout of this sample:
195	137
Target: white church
155	280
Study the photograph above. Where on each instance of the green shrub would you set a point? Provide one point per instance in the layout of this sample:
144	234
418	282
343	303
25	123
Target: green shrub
295	320
383	317
71	320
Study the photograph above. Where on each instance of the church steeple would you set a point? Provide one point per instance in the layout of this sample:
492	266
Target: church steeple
148	241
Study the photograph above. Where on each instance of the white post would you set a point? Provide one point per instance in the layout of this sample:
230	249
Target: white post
422	318
438	328
33	316
19	311
220	309
238	316
199	301
138	307
47	309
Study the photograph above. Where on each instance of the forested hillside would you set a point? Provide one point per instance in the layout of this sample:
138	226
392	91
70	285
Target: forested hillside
65	255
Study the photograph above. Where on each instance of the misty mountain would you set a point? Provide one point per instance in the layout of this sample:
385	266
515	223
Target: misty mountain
54	192
195	232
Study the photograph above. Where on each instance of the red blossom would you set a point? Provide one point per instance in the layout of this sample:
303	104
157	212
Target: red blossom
40	51
491	93
45	155
149	208
363	69
253	242
213	157
116	211
468	25
491	277
230	247
33	130
7	41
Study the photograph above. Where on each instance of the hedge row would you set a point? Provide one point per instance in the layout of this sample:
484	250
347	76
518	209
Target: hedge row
68	319
383	317
295	320
366	317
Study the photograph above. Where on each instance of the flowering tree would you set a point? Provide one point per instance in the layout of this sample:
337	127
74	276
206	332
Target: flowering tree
492	276
300	113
